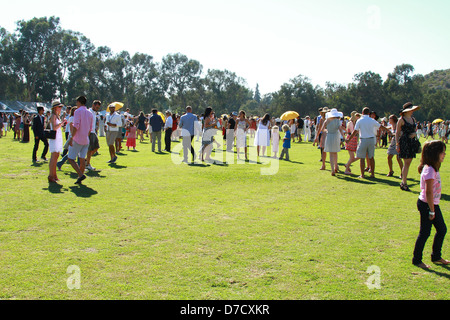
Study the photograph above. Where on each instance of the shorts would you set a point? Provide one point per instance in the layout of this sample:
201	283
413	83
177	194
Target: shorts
93	142
77	150
111	137
366	147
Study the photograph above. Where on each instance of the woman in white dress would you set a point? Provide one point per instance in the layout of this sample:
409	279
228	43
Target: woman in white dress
242	125
262	138
55	145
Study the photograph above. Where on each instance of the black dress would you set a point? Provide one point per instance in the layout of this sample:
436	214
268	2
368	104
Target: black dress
141	123
407	144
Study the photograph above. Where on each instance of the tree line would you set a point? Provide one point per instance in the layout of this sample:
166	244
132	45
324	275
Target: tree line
40	61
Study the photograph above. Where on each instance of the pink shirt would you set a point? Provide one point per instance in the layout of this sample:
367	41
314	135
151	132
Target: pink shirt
132	133
428	173
82	120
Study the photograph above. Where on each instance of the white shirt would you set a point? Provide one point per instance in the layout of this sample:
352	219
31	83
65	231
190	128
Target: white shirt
94	120
367	127
116	119
169	123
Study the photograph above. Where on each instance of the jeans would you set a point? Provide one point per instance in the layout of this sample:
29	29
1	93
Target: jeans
425	231
285	151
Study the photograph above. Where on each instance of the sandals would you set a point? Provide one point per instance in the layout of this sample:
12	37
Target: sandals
442	262
390	174
404	187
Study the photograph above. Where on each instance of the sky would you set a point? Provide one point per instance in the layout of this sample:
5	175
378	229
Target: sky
265	42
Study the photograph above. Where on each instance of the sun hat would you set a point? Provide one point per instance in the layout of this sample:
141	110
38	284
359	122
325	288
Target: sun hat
57	103
334	114
324	110
408	107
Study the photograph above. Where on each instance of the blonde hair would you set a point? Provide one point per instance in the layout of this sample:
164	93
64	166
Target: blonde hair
285	127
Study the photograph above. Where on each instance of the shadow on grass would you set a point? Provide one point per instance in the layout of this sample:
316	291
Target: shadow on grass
38	164
441	274
83	191
55	188
117	166
94	174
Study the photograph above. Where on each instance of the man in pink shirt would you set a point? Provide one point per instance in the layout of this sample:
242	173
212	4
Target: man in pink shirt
79	141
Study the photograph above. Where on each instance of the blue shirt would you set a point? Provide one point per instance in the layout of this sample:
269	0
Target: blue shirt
156	122
187	122
287	140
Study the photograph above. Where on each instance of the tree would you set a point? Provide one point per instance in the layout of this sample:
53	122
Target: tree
179	74
257	96
225	91
33	59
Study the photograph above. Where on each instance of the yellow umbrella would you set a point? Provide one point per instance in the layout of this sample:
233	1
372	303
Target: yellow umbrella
118	105
289	115
162	116
438	121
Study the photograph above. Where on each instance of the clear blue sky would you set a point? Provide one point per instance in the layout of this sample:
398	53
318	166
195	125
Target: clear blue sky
267	42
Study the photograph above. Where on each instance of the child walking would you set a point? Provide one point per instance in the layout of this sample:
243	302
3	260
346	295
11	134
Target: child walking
131	137
275	141
286	142
433	154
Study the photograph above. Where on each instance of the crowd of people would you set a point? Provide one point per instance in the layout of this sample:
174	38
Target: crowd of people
359	134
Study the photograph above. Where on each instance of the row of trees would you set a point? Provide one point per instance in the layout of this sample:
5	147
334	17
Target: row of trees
41	61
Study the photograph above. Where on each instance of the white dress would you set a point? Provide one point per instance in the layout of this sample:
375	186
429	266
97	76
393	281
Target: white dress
56	145
262	135
241	134
275	140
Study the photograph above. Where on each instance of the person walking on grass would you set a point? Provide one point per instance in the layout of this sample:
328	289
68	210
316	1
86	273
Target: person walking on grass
333	139
168	129
405	138
242	125
38	130
262	139
113	122
68	129
352	145
79	141
131	136
286	143
94	145
433	155
157	124
392	150
367	128
187	126
275	137
55	145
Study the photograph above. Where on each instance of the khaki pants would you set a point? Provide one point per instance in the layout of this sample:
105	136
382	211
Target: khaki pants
156	135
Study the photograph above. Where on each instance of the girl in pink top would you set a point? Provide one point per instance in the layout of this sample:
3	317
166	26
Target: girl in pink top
131	137
433	154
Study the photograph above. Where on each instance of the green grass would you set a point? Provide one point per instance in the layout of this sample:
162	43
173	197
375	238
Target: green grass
151	229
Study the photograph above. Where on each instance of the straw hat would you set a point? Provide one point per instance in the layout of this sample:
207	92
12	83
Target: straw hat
56	103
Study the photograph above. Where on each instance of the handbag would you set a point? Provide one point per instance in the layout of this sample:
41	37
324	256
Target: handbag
48	133
417	145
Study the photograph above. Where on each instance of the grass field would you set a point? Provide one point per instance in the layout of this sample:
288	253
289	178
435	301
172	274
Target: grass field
149	228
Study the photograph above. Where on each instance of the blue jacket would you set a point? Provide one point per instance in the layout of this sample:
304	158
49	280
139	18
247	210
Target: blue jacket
287	140
156	122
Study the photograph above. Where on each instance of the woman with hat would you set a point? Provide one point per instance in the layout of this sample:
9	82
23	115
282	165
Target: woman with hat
333	140
55	145
405	138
